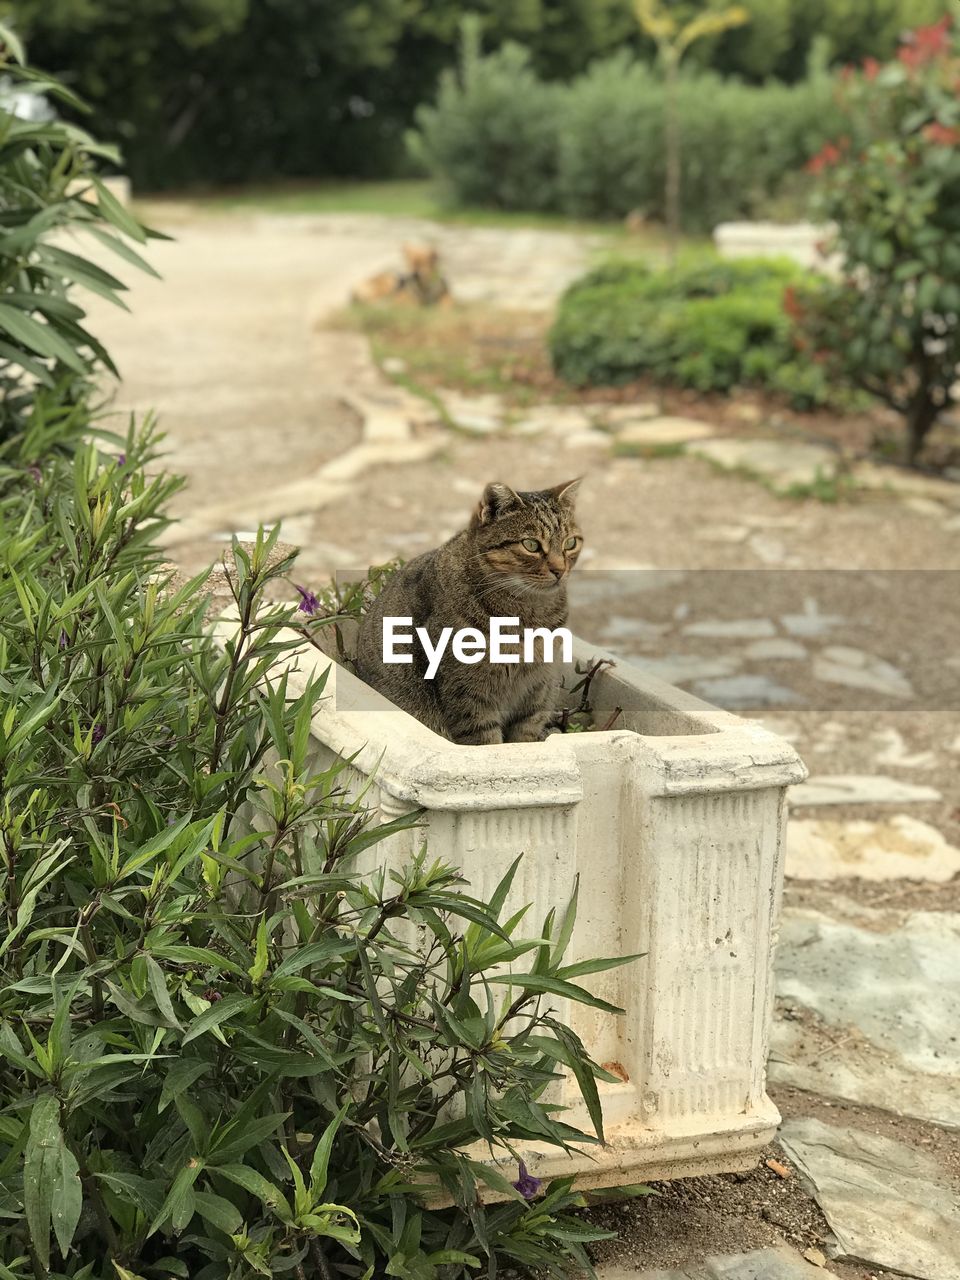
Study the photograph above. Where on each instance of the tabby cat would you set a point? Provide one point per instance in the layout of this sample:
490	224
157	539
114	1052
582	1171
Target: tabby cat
512	561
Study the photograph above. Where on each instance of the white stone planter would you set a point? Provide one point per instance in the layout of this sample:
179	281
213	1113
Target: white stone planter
675	825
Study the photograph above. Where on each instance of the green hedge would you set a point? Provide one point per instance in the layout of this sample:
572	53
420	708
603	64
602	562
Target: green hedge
710	326
594	148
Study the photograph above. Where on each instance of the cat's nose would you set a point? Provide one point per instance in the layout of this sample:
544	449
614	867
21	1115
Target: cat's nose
557	570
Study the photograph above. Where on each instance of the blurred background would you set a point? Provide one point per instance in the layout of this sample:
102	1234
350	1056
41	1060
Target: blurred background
204	94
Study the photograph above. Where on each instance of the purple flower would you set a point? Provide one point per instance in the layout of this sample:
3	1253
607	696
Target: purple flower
64	639
527	1184
121	459
308	601
35	474
97	735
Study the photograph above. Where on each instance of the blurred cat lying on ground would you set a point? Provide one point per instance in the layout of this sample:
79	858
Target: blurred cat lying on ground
423	282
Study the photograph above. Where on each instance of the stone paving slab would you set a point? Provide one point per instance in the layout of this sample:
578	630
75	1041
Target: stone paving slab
664	431
783	464
901	847
851	788
885	1007
855	669
763	1264
758	1264
888	1205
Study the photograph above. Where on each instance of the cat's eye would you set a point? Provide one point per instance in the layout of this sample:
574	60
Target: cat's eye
571	542
531	544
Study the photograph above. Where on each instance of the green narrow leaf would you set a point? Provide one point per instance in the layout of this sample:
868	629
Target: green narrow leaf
321	1157
52	1194
566	924
262	956
124	1274
541	984
579	1063
218	1211
179	1204
272	1197
12	42
41	338
114	212
123	250
219	1012
158	986
583	967
503	888
181	1075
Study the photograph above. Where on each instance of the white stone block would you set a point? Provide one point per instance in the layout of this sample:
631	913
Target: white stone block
798	241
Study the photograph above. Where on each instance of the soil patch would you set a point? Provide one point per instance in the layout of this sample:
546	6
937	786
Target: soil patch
694	1218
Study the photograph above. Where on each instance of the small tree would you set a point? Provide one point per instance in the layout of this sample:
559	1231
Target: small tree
891	185
673	38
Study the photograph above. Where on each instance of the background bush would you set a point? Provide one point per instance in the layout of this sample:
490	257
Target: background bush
595	147
493	132
710	326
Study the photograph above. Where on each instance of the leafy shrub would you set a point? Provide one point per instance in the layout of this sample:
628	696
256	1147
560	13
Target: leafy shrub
891	185
492	134
712	326
49	185
610	146
595	147
224	1048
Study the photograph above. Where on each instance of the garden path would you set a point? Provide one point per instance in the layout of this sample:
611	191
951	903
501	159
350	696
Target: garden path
843	638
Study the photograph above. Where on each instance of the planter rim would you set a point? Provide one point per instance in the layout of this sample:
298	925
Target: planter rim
419	768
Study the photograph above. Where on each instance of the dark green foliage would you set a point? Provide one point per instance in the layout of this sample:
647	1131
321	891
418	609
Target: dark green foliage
595	148
711	326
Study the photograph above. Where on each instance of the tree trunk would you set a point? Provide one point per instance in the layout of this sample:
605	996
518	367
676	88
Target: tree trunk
671	124
922	413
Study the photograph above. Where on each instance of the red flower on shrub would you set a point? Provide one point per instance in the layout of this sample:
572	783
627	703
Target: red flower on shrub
925	44
826	158
941	134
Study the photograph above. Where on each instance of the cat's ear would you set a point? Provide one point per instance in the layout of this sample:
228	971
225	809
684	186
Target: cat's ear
566	492
497	500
